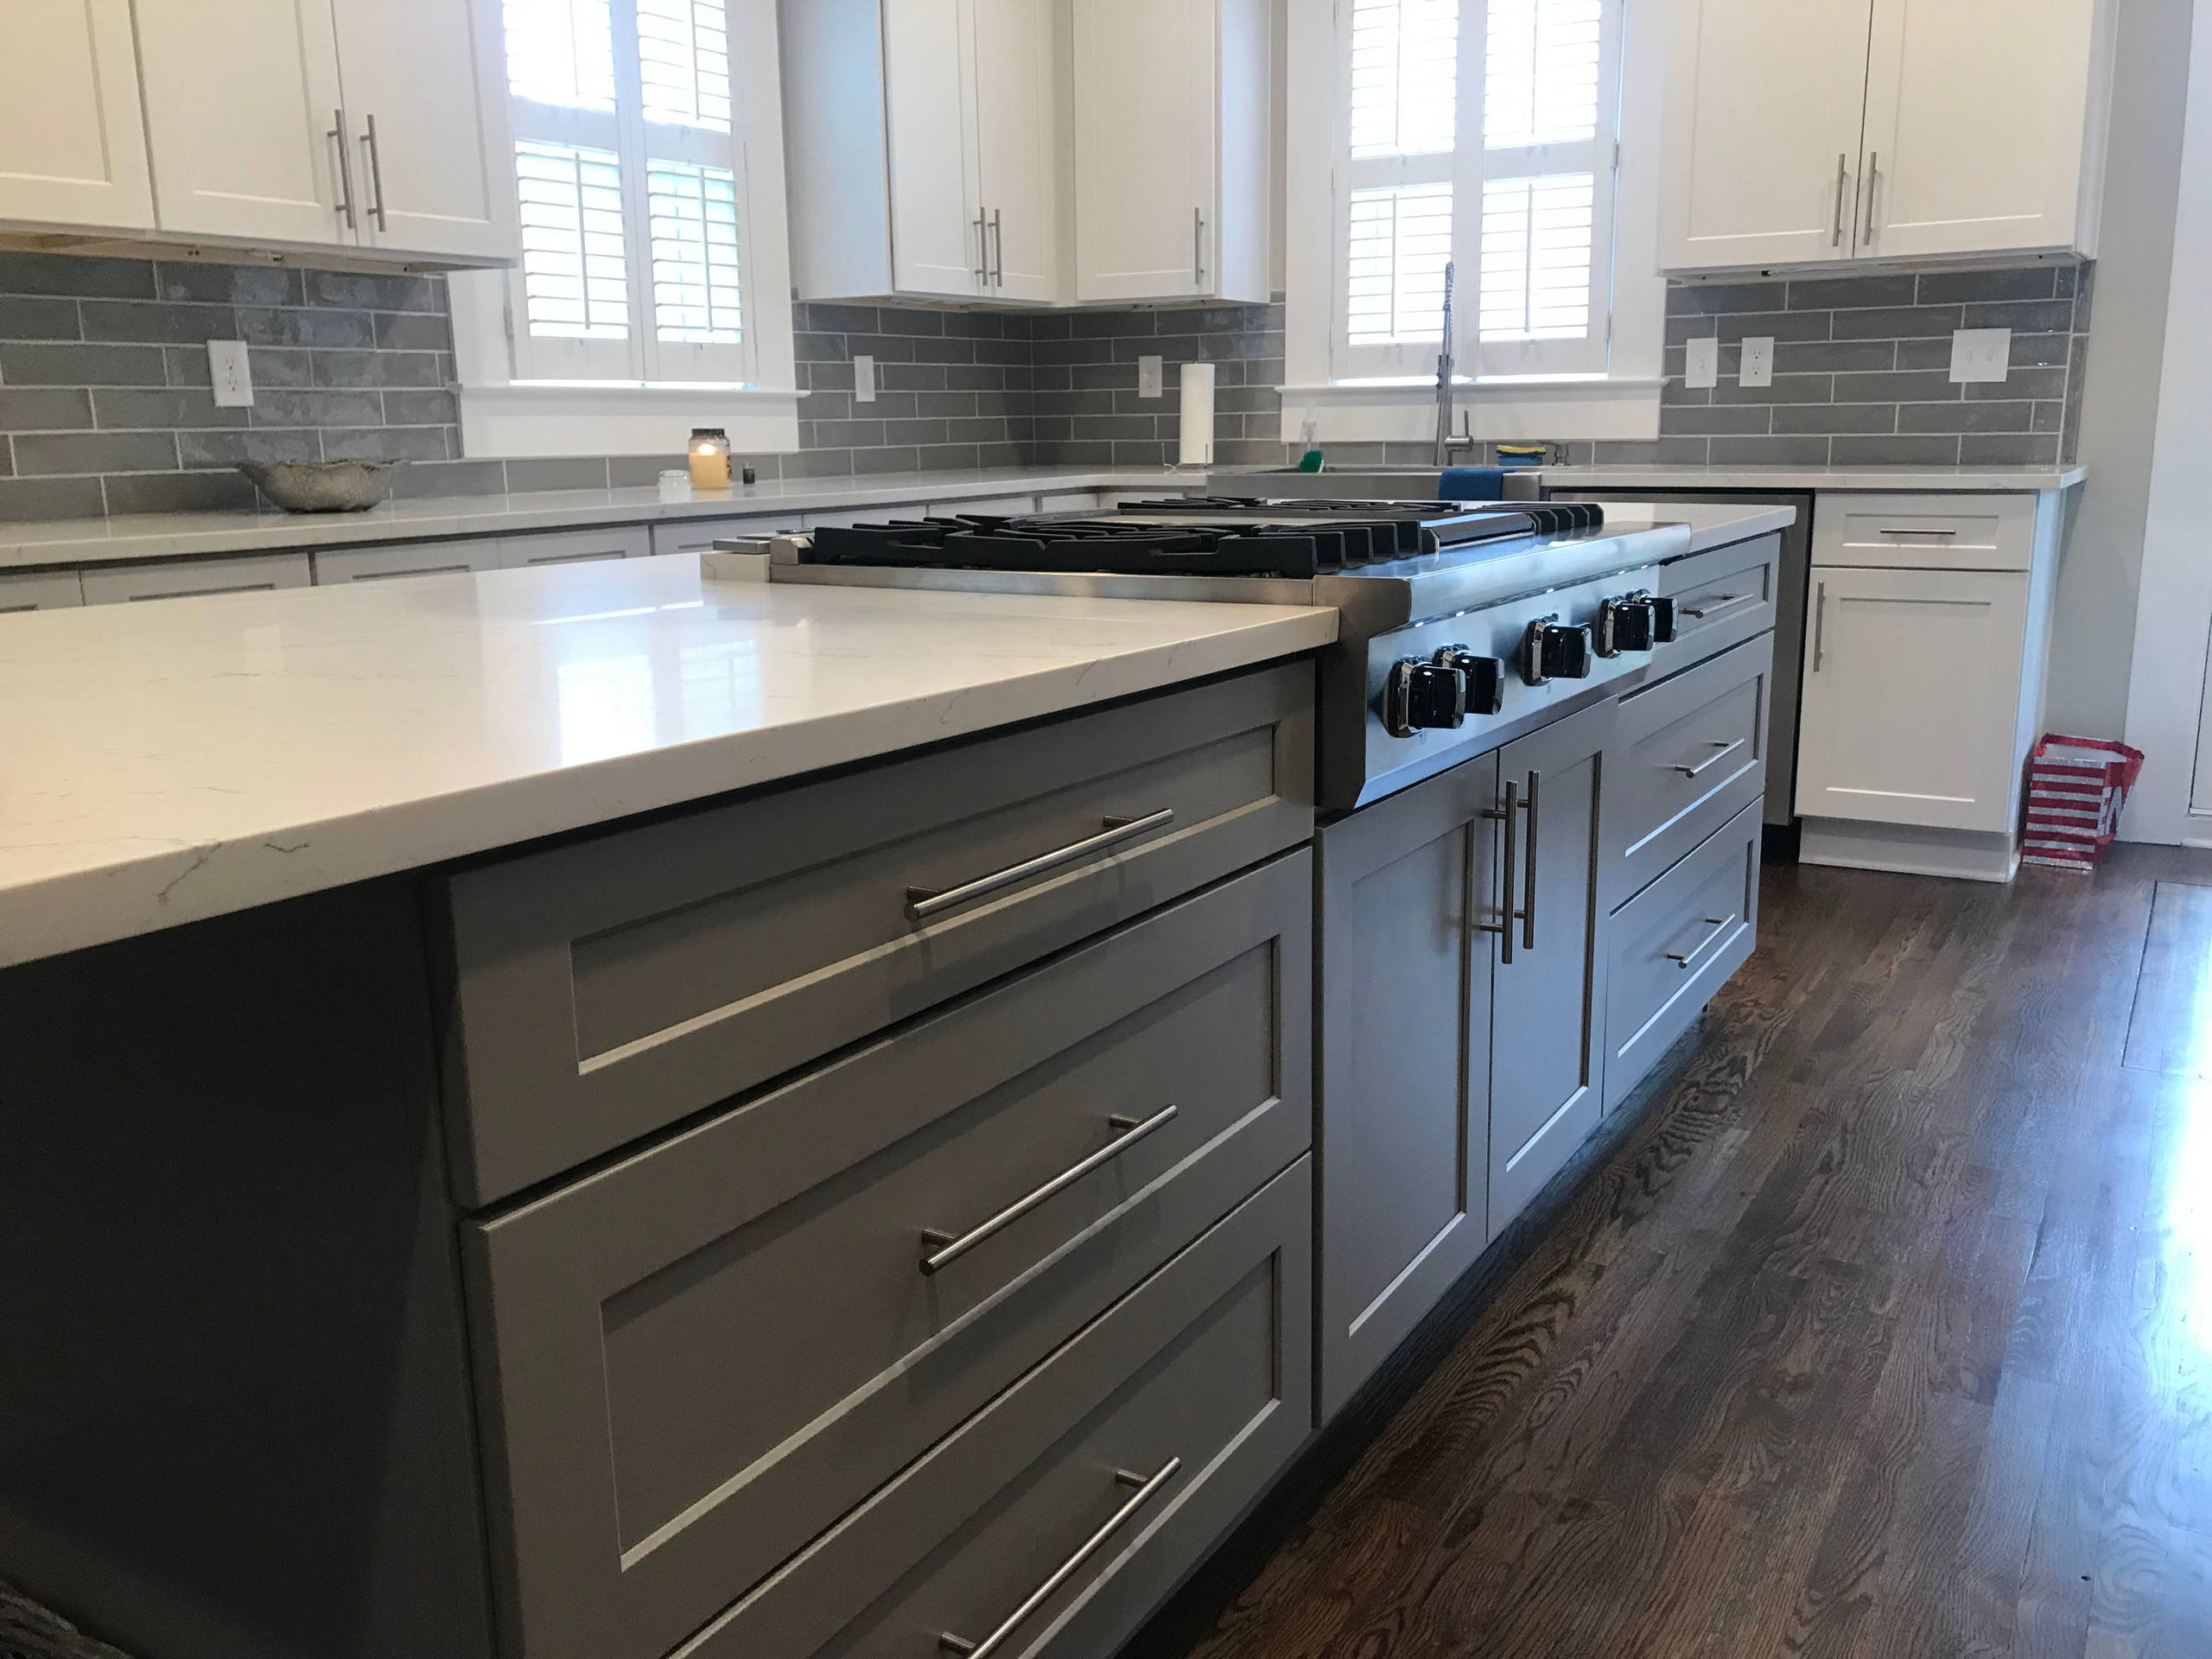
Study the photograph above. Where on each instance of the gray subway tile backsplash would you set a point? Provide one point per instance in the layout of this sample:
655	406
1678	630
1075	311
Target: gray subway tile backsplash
1865	380
104	405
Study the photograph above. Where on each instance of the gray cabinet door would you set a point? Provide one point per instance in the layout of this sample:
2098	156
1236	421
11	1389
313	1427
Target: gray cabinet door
605	988
1122	1458
1546	1082
701	1357
1404	1109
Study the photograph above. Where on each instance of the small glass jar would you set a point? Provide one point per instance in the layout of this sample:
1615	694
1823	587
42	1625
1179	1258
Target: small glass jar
710	458
675	485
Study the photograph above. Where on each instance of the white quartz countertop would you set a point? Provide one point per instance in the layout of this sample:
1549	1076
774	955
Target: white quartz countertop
1901	481
183	535
163	763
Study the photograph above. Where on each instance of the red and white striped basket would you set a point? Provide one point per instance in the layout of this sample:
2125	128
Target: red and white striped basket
2077	787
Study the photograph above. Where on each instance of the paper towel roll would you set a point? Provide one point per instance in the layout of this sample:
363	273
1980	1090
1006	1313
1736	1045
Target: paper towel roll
1198	414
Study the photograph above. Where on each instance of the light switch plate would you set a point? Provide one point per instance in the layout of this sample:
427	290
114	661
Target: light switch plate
1759	362
1148	377
863	379
231	373
1702	364
1980	355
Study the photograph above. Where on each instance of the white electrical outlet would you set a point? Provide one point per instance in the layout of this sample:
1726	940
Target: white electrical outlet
1702	364
232	373
1980	355
1758	364
863	379
1148	377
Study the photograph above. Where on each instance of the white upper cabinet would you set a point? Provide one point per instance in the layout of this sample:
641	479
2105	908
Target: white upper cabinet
244	118
72	139
1172	111
922	141
1873	129
1763	109
1982	126
365	125
419	79
1017	147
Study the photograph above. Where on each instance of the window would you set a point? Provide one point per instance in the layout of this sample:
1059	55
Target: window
628	165
1480	135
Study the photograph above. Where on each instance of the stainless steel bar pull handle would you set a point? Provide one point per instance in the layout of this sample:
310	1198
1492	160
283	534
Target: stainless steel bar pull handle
950	1249
1511	815
1720	924
1842	176
1717	604
1147	1488
1528	904
338	135
1199	246
1874	180
375	152
926	904
1897	529
1820	626
1703	766
982	248
998	248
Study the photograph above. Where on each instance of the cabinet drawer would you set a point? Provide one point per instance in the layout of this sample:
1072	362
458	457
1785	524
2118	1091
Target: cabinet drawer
1721	599
48	590
576	546
1926	532
196	577
606	989
699	534
337	564
707	1353
1125	1456
1677	943
1693	754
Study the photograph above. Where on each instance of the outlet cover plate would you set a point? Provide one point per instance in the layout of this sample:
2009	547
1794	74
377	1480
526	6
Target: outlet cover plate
1702	364
1149	376
863	379
1759	362
1980	355
231	373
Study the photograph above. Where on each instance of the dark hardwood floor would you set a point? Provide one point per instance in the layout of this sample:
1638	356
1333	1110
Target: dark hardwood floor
1886	1331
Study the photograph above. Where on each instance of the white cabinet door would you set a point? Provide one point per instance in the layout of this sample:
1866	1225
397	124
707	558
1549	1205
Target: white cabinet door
937	237
1764	115
242	100
381	563
1146	152
1912	694
194	577
1016	148
419	77
72	140
1976	113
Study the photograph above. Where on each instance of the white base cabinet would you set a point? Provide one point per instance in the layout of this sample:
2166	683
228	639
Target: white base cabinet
1928	629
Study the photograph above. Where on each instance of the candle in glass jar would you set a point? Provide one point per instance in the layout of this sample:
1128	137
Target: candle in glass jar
710	458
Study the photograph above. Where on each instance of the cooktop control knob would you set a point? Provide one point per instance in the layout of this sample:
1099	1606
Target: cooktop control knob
1623	624
1663	617
1423	696
1485	678
1550	651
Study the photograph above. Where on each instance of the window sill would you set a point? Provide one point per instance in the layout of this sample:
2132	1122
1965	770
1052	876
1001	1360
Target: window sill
525	419
1620	408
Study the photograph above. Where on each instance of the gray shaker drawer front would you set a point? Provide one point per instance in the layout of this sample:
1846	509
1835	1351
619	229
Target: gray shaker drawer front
1721	599
607	988
705	1355
1693	751
1058	1518
1675	945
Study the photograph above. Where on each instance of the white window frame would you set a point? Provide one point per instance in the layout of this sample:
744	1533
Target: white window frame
537	395
1604	388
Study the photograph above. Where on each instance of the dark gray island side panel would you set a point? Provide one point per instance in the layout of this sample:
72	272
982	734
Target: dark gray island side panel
235	1422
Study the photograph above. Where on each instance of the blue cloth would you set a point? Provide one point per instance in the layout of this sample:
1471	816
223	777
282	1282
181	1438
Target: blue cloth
1472	484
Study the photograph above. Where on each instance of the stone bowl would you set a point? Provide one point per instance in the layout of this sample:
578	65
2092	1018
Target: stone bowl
322	485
